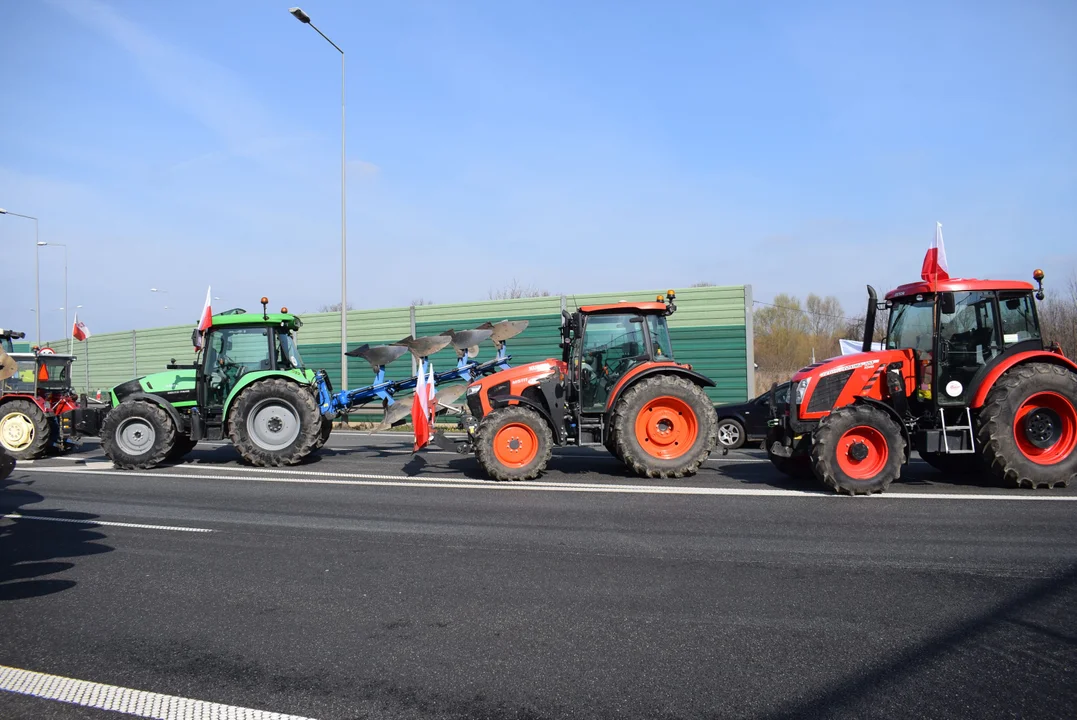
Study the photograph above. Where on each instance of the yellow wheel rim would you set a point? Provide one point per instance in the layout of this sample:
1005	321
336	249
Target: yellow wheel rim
16	431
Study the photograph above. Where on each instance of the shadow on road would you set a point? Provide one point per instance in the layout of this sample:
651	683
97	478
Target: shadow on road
32	549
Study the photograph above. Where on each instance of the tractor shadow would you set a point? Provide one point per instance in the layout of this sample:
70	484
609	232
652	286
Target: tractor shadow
31	551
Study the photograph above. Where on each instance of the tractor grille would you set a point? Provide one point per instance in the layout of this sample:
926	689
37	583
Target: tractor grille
474	405
827	391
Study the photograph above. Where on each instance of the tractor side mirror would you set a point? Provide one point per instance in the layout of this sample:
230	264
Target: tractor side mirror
947	303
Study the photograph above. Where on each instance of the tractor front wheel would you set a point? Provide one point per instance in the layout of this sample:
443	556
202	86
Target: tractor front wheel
664	427
513	443
275	422
1028	426
858	450
137	435
25	432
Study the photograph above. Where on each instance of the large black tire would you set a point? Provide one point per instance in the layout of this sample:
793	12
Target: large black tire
513	443
184	444
680	404
730	433
846	432
25	432
324	433
275	422
137	434
1009	443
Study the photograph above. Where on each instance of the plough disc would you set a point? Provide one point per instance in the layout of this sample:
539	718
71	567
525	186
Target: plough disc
424	346
378	355
397	413
468	340
502	331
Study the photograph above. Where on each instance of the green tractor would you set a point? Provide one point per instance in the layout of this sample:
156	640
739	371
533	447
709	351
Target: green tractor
247	383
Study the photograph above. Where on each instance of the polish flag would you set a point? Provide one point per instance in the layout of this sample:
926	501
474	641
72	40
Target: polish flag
79	331
935	268
420	411
205	321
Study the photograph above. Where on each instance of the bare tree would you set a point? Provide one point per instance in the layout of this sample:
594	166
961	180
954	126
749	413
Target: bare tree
421	301
702	284
515	290
335	307
1058	316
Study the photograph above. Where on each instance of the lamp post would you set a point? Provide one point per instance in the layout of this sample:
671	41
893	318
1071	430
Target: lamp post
305	19
47	244
37	274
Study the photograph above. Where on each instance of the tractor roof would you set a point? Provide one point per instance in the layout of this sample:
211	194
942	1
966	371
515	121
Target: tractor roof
622	307
956	285
292	322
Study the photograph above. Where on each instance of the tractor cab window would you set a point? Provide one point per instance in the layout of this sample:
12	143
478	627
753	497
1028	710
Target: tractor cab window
912	324
612	344
968	340
1018	317
231	353
288	351
663	349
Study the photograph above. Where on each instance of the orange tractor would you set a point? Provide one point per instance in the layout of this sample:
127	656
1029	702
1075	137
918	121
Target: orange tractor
616	384
964	378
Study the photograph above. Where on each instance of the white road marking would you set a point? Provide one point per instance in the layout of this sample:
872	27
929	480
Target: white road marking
82	521
364	479
125	700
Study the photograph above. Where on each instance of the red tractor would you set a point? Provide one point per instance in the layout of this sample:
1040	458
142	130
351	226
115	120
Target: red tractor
32	398
616	385
964	378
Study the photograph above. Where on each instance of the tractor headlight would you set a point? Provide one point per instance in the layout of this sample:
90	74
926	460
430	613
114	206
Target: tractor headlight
802	388
473	390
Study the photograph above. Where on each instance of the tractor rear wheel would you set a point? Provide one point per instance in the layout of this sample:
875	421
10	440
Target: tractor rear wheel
1028	426
858	450
184	444
275	422
664	427
137	435
25	432
324	433
513	443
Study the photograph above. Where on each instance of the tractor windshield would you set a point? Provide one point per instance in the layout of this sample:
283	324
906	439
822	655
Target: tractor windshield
912	324
663	349
288	351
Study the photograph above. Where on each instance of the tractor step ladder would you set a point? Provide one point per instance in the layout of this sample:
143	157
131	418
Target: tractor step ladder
961	428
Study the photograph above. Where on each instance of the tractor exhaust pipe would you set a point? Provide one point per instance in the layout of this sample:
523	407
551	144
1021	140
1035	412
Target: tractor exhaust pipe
869	319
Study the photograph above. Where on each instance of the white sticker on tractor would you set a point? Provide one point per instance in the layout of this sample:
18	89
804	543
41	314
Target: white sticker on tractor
954	388
854	366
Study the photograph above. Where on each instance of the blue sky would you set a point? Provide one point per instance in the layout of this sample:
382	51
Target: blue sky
577	147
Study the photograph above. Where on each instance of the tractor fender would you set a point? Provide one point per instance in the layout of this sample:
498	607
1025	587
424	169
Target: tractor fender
651	369
167	406
880	405
299	377
996	371
40	402
504	400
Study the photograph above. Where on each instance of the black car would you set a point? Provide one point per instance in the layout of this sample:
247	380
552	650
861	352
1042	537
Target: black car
746	421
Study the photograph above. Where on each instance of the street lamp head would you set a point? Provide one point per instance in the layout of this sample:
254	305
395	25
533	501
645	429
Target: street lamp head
300	15
41	243
3	211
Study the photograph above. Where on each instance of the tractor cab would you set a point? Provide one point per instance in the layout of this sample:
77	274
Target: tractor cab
958	329
604	343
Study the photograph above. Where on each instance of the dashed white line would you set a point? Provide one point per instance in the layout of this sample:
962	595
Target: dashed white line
125	700
376	480
84	521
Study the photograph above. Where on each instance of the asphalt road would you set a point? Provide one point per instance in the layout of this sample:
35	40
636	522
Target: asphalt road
369	583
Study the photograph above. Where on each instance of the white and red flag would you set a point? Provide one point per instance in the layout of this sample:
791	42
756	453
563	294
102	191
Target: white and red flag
935	267
205	321
79	331
420	410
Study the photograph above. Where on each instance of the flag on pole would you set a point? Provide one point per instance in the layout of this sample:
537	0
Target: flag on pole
205	321
420	411
935	268
79	331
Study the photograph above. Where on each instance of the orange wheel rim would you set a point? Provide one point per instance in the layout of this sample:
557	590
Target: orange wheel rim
862	452
515	445
1045	428
666	428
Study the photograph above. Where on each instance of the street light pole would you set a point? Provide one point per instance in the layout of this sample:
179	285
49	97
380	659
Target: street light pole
37	274
305	19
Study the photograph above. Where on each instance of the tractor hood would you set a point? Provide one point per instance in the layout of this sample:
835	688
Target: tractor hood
175	386
840	363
